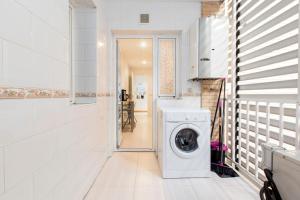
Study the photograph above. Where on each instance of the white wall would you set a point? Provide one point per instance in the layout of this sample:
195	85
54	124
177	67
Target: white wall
124	73
146	104
49	149
84	34
164	15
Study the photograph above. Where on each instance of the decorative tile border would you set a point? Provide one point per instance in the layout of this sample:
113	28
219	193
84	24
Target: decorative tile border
104	94
85	94
37	93
31	93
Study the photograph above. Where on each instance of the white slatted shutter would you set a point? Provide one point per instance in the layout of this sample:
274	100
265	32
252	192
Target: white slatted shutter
266	79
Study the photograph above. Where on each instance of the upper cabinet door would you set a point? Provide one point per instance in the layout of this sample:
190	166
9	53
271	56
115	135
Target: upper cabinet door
219	46
204	48
194	49
208	48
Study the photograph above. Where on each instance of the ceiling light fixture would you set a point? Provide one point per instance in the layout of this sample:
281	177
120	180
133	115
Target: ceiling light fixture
143	44
100	44
144	62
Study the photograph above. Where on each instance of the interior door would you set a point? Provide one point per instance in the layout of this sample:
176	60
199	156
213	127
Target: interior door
194	49
204	48
119	102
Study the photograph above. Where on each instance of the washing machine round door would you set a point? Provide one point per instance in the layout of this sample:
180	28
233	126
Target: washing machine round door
184	140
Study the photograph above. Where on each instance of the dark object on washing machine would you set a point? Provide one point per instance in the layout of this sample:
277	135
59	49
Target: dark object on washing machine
269	190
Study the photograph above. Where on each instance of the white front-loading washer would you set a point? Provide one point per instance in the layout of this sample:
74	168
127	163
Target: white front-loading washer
184	142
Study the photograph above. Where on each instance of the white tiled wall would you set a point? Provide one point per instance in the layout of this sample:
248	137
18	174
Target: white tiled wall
49	149
60	148
33	37
1	170
85	48
1	60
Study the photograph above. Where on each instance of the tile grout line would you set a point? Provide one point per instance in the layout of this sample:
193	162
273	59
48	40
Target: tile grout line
16	43
136	173
4	171
2	60
32	13
95	179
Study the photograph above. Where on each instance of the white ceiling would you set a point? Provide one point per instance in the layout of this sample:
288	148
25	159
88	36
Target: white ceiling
173	0
134	54
83	3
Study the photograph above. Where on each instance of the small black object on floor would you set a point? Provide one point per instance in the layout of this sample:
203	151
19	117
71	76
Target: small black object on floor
223	170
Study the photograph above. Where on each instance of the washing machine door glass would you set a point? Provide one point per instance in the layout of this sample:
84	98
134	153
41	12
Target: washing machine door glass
186	140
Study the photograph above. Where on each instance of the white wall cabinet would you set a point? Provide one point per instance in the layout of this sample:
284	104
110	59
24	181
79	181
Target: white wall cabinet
208	42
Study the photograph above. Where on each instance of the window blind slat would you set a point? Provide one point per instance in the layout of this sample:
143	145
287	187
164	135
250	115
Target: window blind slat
272	97
246	7
270	36
272	60
278	45
269	85
284	16
269	73
265	15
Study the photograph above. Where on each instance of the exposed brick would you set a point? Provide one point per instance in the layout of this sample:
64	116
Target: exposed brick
212	8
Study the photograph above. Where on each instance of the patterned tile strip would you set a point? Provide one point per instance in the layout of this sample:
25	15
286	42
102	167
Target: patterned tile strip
36	93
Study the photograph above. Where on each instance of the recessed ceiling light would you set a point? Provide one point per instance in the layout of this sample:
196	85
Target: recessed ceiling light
144	62
100	44
143	44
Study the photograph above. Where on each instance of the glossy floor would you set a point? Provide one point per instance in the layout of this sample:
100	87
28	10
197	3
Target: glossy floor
136	176
141	137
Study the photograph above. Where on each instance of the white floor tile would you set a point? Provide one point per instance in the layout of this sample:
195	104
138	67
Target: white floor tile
111	194
148	161
141	137
178	191
148	178
136	176
149	193
206	188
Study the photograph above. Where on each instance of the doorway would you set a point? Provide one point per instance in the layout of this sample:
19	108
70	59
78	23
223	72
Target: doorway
135	93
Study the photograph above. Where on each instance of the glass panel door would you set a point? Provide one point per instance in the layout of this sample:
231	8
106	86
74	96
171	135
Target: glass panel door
166	67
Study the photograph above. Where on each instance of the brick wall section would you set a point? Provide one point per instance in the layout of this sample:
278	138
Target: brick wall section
209	93
210	88
212	8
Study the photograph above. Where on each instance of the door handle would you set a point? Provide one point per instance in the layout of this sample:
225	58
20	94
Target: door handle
204	59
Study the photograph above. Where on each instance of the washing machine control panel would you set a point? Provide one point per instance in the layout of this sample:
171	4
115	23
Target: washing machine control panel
181	117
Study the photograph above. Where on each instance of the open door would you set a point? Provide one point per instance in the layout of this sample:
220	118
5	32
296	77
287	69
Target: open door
135	93
119	102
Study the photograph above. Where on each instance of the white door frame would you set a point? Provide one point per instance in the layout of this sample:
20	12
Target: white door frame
155	52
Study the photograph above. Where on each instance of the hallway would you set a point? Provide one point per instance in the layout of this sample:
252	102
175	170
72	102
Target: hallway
136	176
141	137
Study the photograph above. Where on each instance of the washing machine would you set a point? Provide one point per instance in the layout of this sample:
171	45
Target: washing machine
183	142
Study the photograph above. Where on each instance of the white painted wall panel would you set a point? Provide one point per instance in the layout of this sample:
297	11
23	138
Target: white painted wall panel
1	61
16	121
17	72
1	170
24	190
52	150
164	15
15	23
25	157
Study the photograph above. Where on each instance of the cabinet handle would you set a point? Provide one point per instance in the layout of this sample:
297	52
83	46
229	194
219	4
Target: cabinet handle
204	59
